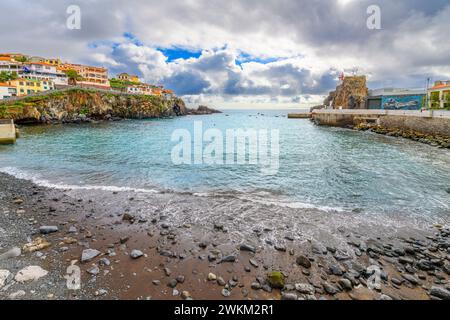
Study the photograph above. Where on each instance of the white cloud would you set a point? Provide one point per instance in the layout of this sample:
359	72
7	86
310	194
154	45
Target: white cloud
308	43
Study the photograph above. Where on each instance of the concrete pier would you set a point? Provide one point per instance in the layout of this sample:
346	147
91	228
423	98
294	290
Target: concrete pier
7	132
301	115
432	122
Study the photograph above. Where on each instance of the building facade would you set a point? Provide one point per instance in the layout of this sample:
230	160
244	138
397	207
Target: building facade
96	77
396	99
7	91
144	89
439	95
8	64
45	72
29	86
126	77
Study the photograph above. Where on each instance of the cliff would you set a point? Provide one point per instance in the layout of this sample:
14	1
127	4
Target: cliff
84	105
351	94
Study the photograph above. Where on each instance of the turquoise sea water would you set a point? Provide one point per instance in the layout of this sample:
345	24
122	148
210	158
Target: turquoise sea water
327	168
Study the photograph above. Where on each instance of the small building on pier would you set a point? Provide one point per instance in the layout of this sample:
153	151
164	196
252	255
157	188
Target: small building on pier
396	99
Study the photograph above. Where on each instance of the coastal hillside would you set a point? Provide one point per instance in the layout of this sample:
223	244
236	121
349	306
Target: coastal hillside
84	105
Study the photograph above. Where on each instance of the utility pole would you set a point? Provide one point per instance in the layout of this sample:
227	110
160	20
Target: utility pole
427	100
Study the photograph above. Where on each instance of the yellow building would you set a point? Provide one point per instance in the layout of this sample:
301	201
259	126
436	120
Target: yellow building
29	86
126	77
134	78
53	62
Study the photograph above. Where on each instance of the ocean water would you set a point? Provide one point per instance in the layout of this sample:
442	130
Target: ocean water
331	169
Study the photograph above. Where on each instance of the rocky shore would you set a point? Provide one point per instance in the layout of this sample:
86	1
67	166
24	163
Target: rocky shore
432	140
163	245
79	105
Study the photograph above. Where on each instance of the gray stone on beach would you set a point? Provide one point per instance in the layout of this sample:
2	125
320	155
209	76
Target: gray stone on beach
280	247
226	293
48	229
336	270
135	254
4	277
17	295
410	278
346	284
89	254
104	262
94	271
303	261
14	252
289	296
247	247
255	286
440	293
172	283
220	281
330	289
304	288
30	273
229	258
254	263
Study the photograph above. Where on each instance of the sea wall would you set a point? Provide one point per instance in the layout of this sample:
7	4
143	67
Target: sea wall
431	125
7	132
84	105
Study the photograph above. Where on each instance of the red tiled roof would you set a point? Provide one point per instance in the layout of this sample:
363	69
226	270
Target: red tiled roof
42	63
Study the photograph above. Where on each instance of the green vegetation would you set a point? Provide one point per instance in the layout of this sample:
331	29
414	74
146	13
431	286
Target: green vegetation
73	76
22	59
434	99
447	100
118	84
4	112
8	76
276	279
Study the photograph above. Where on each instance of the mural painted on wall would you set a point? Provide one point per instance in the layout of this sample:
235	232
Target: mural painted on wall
413	102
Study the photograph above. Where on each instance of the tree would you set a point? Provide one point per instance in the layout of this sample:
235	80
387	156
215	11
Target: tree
73	77
22	59
7	76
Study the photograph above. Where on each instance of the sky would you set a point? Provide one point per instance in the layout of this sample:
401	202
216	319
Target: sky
241	53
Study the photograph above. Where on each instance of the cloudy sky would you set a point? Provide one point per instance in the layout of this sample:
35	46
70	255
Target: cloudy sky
253	53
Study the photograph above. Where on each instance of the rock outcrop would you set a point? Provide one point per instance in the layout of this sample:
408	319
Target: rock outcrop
202	110
85	105
350	94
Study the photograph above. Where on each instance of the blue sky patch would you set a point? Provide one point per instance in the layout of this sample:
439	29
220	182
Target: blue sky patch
178	53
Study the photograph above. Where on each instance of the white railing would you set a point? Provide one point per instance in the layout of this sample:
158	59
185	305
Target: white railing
410	113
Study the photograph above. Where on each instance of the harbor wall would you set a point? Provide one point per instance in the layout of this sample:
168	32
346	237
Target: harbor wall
431	122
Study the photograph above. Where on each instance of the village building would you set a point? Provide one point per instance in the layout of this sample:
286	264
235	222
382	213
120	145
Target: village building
439	95
7	91
143	88
95	77
168	94
45	72
126	77
29	86
8	64
396	99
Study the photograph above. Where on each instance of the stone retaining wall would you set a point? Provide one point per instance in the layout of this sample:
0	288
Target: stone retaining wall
426	122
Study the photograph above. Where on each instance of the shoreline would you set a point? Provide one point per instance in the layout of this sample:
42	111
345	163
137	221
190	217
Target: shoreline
183	244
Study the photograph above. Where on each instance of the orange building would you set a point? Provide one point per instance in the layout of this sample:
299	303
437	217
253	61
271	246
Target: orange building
96	77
